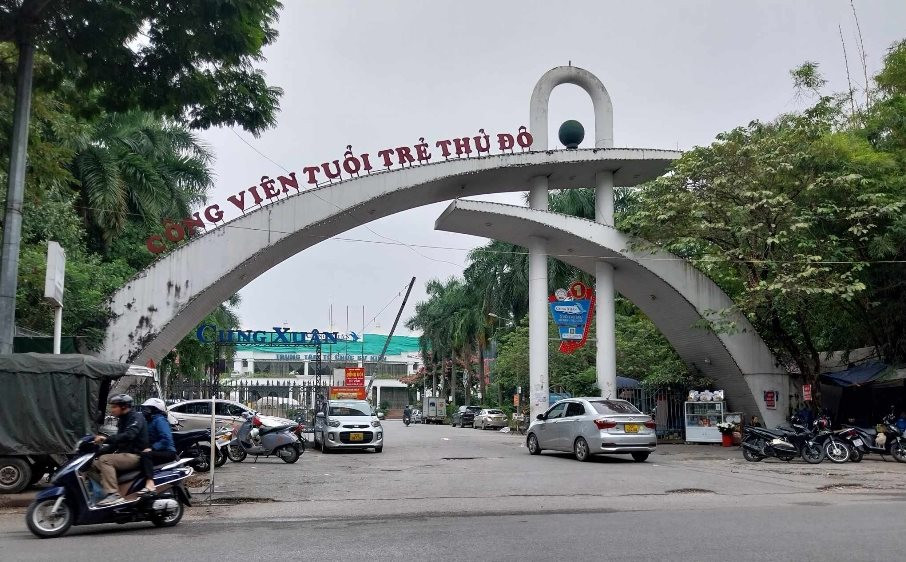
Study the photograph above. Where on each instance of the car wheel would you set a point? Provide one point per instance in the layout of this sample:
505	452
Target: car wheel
639	457
534	448
581	450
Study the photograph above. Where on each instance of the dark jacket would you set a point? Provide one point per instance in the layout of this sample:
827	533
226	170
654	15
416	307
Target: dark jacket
131	433
159	434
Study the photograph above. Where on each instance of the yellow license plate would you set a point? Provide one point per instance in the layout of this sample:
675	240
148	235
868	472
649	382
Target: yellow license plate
356	436
631	428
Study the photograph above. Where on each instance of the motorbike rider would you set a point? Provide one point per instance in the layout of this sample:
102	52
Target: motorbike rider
129	441
160	437
407	414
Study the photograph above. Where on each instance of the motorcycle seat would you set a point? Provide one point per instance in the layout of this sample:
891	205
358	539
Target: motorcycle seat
277	429
866	430
128	476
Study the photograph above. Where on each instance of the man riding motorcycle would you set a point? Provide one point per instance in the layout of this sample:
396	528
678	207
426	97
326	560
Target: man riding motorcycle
130	440
407	415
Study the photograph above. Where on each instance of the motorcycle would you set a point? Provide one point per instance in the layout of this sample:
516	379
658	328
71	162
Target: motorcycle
196	444
259	440
784	444
890	441
832	442
72	499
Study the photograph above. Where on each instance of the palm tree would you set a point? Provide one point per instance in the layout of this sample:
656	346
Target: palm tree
138	167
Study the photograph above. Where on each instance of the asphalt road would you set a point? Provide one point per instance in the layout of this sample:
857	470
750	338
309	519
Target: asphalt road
441	493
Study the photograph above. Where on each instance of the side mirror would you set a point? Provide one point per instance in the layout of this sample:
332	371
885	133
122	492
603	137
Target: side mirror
540	417
320	415
380	415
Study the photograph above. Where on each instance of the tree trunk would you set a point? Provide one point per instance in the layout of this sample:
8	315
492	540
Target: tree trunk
12	223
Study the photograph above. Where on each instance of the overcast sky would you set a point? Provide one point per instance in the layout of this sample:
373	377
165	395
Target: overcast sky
383	74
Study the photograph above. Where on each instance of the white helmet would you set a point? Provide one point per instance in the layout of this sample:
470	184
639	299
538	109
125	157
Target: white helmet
156	403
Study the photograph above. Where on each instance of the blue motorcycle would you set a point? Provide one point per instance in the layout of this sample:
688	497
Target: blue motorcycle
72	499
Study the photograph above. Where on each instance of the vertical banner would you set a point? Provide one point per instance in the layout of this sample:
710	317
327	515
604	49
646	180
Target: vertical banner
573	310
807	392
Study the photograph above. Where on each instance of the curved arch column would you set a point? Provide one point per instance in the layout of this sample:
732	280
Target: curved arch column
606	361
670	291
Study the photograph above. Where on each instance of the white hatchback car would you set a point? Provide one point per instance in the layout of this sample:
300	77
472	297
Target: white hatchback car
591	426
348	424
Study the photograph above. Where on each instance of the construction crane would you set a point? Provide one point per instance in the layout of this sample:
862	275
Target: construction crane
390	335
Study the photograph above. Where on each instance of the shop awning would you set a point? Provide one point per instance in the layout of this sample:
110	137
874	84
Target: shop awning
857	375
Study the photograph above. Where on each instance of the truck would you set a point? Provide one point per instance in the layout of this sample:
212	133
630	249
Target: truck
434	410
49	402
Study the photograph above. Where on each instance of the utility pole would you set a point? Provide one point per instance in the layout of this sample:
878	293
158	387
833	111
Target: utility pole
15	194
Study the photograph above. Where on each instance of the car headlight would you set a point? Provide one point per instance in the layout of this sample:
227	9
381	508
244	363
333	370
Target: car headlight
375	423
334	423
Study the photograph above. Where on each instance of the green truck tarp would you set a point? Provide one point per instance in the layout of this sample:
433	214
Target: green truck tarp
49	402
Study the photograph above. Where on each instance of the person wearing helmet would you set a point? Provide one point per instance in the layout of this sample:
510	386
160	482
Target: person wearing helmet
160	438
130	440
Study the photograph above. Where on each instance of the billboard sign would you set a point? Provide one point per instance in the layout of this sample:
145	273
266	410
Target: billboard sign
56	273
355	376
572	310
347	393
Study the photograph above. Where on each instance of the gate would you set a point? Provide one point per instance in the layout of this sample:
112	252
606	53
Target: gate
667	405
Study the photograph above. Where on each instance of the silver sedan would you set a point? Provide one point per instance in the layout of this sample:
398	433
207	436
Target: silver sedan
591	426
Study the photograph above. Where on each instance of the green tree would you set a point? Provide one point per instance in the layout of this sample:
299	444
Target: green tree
800	211
137	164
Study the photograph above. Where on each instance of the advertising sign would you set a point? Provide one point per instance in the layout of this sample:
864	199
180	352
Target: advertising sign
807	392
770	399
572	311
355	376
56	273
347	393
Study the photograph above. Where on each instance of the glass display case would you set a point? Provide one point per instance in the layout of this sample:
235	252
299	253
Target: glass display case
701	420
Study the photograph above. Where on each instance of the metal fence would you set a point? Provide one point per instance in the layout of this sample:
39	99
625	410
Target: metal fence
667	405
288	399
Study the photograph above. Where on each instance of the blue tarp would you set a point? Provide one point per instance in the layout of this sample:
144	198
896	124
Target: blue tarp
854	376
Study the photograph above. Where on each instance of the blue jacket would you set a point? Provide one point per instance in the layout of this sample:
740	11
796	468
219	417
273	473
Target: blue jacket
159	434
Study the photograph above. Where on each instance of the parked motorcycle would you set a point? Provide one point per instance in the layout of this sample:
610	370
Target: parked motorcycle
259	440
785	444
71	501
834	444
196	444
890	441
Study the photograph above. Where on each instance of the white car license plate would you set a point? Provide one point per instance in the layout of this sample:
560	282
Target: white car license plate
356	436
857	442
631	428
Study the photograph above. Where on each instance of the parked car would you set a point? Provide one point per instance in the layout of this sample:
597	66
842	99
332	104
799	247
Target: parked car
196	414
591	426
348	424
465	415
492	418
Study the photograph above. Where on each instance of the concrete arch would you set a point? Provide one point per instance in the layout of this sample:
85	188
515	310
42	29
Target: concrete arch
164	302
600	99
669	290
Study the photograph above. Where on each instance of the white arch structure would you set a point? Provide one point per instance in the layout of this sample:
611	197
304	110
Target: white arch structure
165	301
605	354
669	290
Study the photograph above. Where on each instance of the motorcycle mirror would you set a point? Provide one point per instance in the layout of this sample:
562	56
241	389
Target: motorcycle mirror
319	415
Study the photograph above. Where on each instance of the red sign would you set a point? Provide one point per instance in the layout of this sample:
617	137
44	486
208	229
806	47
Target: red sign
351	165
355	376
347	393
770	399
807	392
